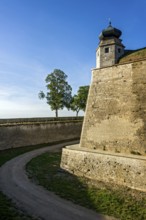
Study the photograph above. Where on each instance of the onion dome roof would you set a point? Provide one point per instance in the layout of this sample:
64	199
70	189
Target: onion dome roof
110	32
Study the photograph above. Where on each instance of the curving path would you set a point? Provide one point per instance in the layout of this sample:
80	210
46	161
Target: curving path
34	199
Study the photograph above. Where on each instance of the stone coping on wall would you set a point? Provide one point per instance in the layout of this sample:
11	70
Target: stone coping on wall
45	120
132	156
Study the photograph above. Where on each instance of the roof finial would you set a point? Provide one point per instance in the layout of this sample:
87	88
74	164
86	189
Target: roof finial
110	23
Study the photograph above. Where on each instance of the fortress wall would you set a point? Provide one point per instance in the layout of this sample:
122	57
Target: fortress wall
18	135
115	118
113	140
112	169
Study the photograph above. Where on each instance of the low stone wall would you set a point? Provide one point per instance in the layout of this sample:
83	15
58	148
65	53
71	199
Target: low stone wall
14	135
110	168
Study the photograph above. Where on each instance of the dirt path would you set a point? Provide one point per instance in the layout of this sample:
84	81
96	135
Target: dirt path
34	199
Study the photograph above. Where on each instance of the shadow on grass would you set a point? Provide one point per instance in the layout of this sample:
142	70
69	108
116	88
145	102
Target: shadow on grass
123	203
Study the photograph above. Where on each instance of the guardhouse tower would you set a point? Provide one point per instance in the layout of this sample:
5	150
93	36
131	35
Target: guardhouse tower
110	47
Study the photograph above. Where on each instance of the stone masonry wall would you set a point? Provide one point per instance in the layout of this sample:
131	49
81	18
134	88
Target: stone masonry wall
115	118
110	168
31	134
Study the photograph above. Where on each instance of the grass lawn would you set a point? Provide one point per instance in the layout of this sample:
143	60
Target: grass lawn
8	211
134	56
121	204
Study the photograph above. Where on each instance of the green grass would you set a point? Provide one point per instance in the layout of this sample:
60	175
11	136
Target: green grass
8	154
8	211
45	170
133	56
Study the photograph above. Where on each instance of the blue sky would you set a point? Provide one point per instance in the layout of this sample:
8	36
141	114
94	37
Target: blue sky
38	36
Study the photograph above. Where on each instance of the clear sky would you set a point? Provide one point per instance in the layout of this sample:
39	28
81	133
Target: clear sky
38	36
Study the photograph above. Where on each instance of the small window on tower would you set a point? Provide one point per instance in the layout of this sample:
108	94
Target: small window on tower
107	50
119	50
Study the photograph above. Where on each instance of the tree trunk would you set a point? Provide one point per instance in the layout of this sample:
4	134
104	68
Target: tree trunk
77	113
56	112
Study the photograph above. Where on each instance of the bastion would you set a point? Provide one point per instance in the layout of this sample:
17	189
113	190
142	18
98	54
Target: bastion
112	148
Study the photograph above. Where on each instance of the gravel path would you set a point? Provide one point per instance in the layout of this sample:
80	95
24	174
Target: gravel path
34	199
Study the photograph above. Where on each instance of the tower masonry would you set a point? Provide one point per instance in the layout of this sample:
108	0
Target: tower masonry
110	47
112	148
